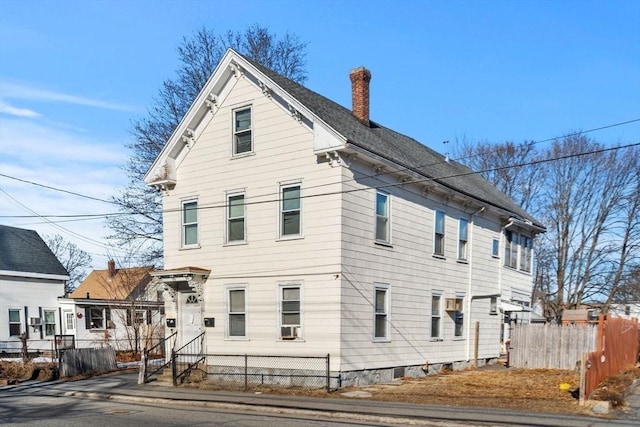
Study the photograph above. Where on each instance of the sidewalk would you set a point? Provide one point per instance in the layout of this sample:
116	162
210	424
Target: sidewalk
123	387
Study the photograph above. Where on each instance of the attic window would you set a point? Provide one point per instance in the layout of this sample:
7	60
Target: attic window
242	136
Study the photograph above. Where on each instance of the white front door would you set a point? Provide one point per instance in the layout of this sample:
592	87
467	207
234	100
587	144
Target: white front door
190	317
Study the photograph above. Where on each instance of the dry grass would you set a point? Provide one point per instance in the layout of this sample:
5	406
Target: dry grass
28	371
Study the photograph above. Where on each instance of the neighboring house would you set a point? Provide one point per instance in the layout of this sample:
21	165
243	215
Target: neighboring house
31	280
627	310
119	307
298	227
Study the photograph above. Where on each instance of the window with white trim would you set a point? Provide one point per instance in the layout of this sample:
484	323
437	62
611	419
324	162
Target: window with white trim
69	321
383	223
236	218
15	324
458	318
511	249
49	322
242	135
436	316
526	248
381	312
438	233
290	312
463	238
495	248
290	211
237	313
189	223
97	318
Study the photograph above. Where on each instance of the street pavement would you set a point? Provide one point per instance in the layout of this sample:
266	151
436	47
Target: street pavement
123	387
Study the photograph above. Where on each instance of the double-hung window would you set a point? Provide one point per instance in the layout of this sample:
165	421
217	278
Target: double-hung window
235	218
463	238
237	313
383	223
290	211
511	249
436	316
438	233
49	322
290	312
15	325
381	313
242	139
526	248
189	223
458	318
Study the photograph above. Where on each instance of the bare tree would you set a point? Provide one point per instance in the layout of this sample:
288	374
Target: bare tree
73	259
588	196
141	222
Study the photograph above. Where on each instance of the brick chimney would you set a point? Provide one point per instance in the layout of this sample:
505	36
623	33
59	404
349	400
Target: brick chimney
360	78
111	266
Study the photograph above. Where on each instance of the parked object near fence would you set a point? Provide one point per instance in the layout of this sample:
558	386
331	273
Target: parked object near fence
87	361
616	350
550	346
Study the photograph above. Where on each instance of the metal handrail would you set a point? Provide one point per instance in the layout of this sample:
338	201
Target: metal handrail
148	375
190	365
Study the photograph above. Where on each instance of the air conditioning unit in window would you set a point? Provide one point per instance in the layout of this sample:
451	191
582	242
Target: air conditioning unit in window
35	321
289	332
453	304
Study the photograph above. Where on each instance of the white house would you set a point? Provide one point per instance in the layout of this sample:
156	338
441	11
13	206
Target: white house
118	307
299	227
31	280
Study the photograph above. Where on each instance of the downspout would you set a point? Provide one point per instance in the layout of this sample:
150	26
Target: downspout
469	280
502	240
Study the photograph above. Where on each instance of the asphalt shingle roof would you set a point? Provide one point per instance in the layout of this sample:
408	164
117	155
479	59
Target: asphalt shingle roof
24	251
396	147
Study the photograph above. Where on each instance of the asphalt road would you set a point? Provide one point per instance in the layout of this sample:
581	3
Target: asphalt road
33	410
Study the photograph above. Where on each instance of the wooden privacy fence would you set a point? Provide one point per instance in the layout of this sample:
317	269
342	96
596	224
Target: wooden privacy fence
87	360
616	350
550	346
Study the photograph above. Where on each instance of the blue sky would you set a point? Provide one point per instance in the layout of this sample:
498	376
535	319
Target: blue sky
74	74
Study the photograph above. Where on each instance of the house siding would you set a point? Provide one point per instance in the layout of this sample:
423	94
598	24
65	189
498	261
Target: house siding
36	295
283	153
413	272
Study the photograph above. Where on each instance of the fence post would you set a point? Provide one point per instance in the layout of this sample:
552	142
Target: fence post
583	379
142	374
475	345
246	363
174	368
328	374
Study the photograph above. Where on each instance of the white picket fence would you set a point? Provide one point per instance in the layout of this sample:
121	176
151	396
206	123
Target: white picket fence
550	346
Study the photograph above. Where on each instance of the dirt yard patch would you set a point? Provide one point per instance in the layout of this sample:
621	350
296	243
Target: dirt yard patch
28	371
534	390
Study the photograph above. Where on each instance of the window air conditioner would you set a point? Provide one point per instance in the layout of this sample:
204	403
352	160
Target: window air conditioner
289	332
35	321
453	304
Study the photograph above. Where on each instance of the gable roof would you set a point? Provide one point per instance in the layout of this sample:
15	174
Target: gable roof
398	148
405	154
123	285
24	251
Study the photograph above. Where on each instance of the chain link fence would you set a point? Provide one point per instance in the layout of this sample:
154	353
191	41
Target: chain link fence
249	371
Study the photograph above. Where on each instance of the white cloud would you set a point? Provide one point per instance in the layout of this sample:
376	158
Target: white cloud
11	90
15	111
37	144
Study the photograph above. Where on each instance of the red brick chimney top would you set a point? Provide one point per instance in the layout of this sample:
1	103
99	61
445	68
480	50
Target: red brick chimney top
360	78
111	266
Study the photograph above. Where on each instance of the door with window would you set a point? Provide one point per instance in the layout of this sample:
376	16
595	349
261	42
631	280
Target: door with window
190	317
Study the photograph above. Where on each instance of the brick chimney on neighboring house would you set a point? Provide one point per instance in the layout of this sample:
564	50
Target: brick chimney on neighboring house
360	78
111	266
